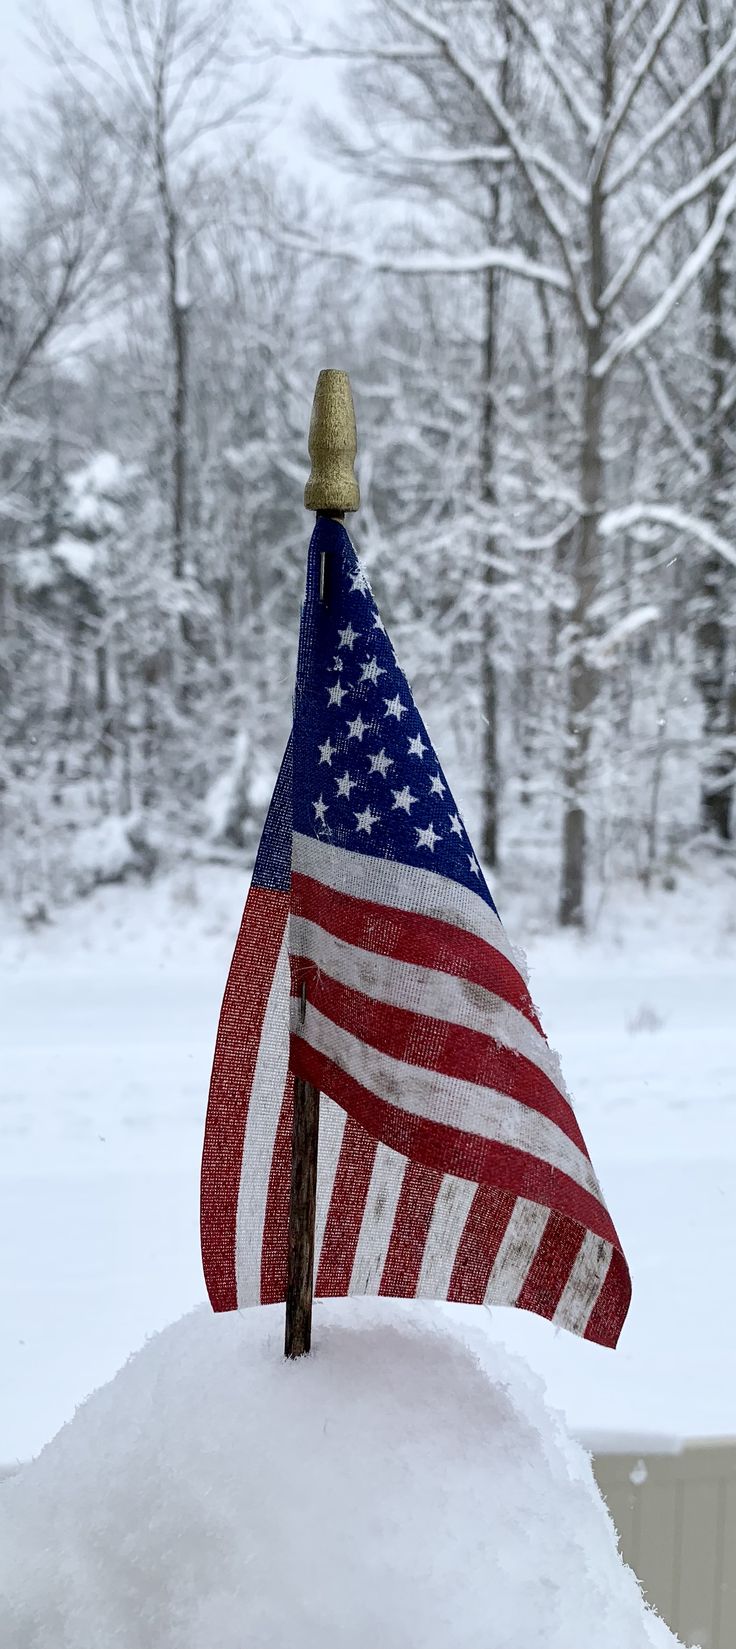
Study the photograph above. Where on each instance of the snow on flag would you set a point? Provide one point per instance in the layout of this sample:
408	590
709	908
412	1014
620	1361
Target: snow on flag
372	962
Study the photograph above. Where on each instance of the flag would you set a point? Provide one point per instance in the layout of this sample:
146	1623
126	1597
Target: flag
372	962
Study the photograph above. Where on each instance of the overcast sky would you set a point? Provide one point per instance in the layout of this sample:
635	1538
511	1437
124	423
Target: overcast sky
22	70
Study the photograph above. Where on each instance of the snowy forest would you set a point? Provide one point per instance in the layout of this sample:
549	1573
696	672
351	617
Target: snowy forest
514	223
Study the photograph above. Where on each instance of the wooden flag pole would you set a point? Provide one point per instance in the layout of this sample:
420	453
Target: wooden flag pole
332	489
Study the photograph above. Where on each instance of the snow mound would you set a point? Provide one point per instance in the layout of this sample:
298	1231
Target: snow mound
403	1486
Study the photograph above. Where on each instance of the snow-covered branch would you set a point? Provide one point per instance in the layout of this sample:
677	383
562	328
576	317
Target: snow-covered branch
669	414
675	114
299	46
497	154
648	323
434	263
541	541
604	648
690	191
554	219
642	67
667	515
585	118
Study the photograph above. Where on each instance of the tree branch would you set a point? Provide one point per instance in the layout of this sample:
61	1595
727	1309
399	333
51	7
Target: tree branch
654	317
672	118
683	197
556	224
647	57
669	413
666	515
435	263
584	117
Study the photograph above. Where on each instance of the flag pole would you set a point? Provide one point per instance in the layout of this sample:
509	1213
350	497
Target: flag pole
332	490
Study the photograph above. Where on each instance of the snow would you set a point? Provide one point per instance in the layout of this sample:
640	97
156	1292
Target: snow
109	851
97	488
35	569
107	1024
401	1486
78	555
620	521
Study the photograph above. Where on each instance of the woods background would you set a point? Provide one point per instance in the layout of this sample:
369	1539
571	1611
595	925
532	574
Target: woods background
514	223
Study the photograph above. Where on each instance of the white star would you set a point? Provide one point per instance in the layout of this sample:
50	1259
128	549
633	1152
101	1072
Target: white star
336	694
372	670
338	663
456	828
366	820
436	785
320	809
345	785
357	728
326	752
473	862
427	838
359	581
378	623
348	636
403	798
381	763
394	707
416	748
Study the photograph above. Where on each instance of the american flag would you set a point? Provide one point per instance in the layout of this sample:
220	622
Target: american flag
372	962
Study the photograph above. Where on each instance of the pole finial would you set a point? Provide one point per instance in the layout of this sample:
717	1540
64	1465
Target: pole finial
333	444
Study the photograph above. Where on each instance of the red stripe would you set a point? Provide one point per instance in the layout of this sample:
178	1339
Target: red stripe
347	1205
451	1150
438	1045
236	1050
412	1220
550	1269
426	941
607	1317
276	1215
483	1233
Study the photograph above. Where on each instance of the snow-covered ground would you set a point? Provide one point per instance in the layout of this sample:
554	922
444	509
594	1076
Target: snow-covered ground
107	1022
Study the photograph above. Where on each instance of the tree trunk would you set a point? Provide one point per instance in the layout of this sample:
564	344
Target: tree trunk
491	778
583	678
179	341
715	663
177	302
490	782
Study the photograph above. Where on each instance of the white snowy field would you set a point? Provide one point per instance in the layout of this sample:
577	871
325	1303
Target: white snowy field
107	1022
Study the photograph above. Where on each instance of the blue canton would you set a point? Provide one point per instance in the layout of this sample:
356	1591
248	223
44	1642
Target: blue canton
366	774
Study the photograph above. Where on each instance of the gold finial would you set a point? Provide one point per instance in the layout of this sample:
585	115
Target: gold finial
333	444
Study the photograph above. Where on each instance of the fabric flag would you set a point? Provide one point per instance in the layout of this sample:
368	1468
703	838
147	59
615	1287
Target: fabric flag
372	962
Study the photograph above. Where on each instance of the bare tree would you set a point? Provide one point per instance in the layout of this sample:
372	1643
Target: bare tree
164	83
599	126
717	657
71	197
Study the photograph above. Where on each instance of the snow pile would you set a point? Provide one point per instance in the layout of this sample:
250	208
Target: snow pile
401	1487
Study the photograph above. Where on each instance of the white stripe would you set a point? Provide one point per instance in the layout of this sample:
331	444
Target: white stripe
405	887
264	1109
448	1101
424	991
446	1227
379	1214
332	1121
584	1283
513	1261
